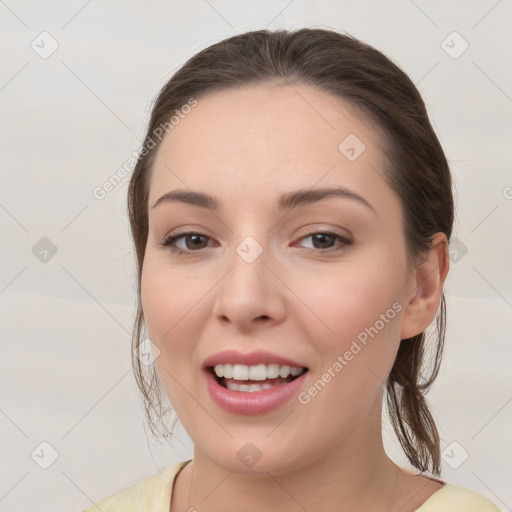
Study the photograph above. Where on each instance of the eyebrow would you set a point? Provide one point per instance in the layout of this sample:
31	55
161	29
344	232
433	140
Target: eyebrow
285	202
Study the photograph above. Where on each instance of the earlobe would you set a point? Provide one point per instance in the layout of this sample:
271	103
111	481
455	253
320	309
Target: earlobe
423	298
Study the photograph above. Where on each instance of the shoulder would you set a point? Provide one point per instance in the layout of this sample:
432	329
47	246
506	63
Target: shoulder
457	499
151	493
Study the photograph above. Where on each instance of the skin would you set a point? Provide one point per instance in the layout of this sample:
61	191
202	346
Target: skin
247	146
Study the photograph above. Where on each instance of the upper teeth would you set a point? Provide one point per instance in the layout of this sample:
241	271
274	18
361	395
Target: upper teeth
257	372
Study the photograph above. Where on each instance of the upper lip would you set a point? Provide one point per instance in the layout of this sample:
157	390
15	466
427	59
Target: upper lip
249	359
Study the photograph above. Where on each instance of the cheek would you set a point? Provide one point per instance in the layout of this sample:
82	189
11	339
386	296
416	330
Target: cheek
346	301
362	311
169	301
356	330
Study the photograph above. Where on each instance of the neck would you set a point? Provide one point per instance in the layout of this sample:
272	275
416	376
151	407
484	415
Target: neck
323	486
357	474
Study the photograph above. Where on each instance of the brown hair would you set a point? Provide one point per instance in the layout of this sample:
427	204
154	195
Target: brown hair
417	171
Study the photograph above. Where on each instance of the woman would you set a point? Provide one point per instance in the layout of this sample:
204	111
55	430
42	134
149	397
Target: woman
291	210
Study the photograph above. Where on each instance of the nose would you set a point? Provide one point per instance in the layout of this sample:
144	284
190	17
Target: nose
250	296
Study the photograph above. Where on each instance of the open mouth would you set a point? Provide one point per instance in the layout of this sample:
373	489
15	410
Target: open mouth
249	379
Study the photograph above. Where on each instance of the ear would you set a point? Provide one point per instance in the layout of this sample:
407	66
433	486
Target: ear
425	289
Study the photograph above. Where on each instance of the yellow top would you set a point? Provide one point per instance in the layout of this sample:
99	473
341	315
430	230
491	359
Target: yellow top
153	494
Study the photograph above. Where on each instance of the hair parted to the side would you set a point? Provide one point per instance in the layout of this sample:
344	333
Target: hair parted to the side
417	171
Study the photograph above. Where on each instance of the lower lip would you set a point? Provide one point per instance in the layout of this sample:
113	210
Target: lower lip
257	402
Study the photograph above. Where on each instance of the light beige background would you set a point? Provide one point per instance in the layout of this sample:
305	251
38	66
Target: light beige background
72	118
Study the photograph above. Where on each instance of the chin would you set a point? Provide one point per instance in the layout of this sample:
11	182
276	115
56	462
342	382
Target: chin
258	458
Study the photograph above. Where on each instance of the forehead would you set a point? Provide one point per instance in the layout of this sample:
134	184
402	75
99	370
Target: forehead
265	140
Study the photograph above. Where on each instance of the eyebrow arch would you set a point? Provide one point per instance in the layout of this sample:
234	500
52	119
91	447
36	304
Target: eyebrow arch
285	202
308	196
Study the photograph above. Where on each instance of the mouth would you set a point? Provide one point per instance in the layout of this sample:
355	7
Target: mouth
255	378
252	383
253	389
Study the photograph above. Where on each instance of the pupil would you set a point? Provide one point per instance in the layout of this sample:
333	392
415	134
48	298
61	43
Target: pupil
196	238
320	237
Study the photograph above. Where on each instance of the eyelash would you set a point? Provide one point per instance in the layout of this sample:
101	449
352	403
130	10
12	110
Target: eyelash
169	242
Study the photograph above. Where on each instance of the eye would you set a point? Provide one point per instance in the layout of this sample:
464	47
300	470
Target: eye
190	242
324	240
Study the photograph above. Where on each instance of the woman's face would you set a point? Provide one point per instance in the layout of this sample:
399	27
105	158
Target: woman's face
274	277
